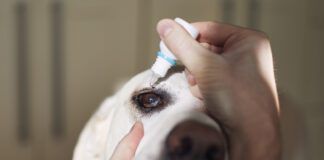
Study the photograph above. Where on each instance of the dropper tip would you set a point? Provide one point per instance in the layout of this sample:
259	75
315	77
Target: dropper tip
154	79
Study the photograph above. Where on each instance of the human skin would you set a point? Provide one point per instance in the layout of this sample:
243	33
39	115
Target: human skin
231	69
126	148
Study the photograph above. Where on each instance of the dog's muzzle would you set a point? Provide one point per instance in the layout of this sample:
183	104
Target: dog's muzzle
183	136
192	140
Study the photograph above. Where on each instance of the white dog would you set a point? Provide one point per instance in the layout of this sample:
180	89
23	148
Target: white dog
175	123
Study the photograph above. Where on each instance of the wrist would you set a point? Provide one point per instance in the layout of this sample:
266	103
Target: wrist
256	142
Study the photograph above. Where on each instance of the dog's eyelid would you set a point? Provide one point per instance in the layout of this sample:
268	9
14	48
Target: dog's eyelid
145	100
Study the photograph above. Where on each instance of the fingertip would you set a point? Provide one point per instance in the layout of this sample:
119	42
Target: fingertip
137	132
139	127
164	27
190	78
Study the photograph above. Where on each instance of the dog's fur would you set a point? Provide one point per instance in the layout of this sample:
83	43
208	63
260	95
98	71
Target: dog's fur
117	114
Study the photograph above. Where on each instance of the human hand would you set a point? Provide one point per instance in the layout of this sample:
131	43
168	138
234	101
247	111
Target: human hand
231	68
126	148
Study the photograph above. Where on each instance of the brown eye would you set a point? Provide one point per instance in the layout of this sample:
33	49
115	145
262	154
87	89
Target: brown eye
149	100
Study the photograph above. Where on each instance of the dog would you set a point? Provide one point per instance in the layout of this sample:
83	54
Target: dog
176	124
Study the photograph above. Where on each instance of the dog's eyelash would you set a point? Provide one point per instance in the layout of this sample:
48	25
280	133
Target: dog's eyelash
150	100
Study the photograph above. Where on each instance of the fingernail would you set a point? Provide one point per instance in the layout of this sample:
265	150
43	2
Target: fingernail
190	78
165	28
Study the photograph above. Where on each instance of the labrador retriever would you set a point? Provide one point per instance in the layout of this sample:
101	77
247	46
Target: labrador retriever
176	125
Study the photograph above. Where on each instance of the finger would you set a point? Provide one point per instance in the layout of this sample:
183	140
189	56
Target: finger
211	47
126	148
195	90
216	33
190	78
204	44
185	48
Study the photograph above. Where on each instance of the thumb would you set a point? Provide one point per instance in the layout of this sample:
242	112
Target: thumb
194	56
126	148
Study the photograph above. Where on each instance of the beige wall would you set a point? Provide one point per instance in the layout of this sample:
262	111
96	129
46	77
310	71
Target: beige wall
106	41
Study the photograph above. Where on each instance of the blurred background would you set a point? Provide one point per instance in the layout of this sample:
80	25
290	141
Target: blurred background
60	58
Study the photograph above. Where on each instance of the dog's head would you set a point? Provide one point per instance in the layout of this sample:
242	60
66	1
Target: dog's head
176	126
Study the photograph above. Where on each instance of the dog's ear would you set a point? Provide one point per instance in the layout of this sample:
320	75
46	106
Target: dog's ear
89	144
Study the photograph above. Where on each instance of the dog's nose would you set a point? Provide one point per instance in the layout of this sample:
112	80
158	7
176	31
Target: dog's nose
191	140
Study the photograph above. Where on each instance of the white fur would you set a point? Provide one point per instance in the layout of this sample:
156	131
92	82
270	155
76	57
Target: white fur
117	114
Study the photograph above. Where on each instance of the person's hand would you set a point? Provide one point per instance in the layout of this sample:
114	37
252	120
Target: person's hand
126	148
231	69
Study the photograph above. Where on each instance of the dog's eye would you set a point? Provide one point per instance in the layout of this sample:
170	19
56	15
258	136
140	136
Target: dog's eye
149	100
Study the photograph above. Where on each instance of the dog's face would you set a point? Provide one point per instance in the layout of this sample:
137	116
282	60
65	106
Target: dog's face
176	126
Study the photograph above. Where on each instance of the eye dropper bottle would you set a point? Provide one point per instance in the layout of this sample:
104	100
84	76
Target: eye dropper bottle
165	58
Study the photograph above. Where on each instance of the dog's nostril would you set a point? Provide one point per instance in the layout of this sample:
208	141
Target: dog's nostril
213	152
179	147
194	140
185	146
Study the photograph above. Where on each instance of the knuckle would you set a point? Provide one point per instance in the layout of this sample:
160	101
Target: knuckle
263	40
261	36
210	24
260	39
207	27
264	35
257	33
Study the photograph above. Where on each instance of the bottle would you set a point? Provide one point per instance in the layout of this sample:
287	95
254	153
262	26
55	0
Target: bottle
165	58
